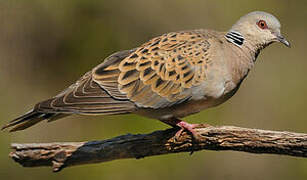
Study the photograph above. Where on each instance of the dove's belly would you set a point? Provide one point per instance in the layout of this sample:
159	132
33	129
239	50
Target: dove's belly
178	111
186	108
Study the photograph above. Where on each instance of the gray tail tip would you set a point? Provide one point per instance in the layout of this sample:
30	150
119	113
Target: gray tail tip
29	119
4	127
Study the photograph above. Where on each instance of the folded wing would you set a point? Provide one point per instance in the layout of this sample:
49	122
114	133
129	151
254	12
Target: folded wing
159	73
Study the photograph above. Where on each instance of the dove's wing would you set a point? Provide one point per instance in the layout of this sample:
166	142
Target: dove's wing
88	97
161	72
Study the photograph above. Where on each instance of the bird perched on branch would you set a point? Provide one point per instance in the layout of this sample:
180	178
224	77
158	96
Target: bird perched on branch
167	78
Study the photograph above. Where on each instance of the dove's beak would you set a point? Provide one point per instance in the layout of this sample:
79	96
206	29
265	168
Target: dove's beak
283	40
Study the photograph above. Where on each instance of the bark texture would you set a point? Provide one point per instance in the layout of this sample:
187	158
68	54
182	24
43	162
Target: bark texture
60	155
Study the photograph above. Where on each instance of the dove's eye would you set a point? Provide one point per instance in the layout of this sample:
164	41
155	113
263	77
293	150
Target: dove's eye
262	24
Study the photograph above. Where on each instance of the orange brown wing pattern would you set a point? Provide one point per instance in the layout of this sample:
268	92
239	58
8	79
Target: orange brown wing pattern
161	72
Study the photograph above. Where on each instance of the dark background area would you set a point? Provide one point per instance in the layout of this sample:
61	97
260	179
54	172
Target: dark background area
45	45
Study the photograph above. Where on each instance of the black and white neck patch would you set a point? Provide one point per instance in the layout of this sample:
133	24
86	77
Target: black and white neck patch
235	37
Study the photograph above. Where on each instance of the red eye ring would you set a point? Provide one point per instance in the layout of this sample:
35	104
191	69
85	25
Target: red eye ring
262	24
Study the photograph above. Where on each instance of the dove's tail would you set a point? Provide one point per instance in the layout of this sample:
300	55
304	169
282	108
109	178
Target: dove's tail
29	119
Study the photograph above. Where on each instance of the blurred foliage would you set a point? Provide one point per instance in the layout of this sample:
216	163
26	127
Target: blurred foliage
45	45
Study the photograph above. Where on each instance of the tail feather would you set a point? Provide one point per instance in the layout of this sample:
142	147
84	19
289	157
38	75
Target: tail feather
29	119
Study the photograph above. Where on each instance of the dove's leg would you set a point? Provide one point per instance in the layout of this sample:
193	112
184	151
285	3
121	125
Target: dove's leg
183	125
186	126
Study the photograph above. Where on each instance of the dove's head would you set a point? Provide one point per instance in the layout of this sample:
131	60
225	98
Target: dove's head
260	28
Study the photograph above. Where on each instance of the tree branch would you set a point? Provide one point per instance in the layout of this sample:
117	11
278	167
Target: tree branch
60	155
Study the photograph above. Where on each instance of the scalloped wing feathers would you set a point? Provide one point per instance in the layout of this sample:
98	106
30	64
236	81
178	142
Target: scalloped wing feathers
161	72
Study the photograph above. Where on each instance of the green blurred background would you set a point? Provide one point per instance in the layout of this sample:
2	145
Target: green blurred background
45	45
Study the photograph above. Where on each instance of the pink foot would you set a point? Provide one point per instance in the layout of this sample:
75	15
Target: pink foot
186	126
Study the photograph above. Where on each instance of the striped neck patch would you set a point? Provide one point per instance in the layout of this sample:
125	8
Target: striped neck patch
235	38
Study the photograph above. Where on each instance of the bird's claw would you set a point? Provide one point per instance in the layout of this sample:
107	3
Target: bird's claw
186	126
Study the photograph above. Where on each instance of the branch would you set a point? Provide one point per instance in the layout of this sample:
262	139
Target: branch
60	155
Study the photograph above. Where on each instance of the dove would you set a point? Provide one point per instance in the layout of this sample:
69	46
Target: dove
167	78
